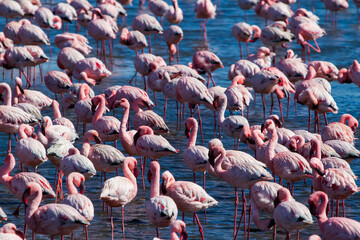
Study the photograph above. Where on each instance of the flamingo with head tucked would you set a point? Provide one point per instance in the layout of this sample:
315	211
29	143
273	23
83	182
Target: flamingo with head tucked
340	131
10	232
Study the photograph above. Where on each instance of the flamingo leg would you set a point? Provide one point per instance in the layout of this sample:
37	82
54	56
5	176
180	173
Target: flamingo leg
281	112
248	230
123	221
297	235
337	208
200	227
236	206
212	79
287	235
243	214
177	53
272	103
241	53
288	106
112	225
264	106
143	173
155	99
149	44
343	207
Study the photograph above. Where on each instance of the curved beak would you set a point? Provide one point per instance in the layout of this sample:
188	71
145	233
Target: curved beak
82	187
97	139
187	132
136	137
149	176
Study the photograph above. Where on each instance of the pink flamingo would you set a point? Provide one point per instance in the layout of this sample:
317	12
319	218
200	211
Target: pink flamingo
334	6
205	9
293	68
108	127
11	30
83	107
340	131
158	8
101	29
188	196
29	151
75	162
174	14
66	12
76	41
286	165
10	9
262	58
5	42
67	58
36	98
160	210
280	11
53	132
262	197
309	31
91	70
290	214
325	70
244	68
134	40
30	34
178	226
46	19
80	4
17	183
243	32
351	74
334	227
173	36
50	219
58	119
147	24
112	8
10	231
246	5
240	175
302	15
337	183
238	96
195	156
207	62
57	82
105	158
118	191
78	200
344	149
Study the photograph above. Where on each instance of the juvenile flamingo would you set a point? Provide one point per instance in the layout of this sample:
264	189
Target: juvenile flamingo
118	191
188	196
161	210
335	227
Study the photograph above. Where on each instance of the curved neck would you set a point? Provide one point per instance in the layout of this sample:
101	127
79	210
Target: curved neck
99	111
129	175
71	186
193	135
220	117
318	150
345	118
33	206
322	209
56	110
124	120
258	141
5	170
7	91
135	106
22	133
173	234
218	169
270	150
82	93
85	149
155	183
175	4
300	142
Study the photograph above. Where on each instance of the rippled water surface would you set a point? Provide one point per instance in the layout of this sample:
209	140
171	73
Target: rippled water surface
339	46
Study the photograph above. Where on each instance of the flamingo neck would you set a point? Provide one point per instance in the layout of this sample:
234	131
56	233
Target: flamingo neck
175	4
56	110
22	133
270	150
70	185
5	170
193	135
258	141
347	118
300	143
128	174
82	92
173	234
136	107
124	121
33	206
99	111
318	150
218	169
322	209
7	91
85	149
155	183
220	117
262	224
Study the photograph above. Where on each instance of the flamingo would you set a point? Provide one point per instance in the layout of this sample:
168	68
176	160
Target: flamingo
325	69
78	200
205	9
243	32
147	24
10	9
246	5
160	210
188	196
280	11
57	82
238	96
174	14
173	36
337	183
340	131
50	219
10	231
12	117
30	34
293	68
286	165
207	62
262	57
134	40
66	12
76	41
158	8
335	227
46	19
29	151
105	158
344	149
118	191
67	58
244	68
108	127
53	132
334	6
83	107
240	175
58	119
290	214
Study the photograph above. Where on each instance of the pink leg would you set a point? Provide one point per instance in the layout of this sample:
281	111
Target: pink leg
149	43
212	79
272	103
157	232
143	173
200	227
112	224
204	189
343	206
264	106
281	112
155	99
200	123
236	207
177	52
123	221
241	53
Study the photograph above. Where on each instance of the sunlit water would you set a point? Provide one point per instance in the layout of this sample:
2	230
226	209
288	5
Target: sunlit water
339	46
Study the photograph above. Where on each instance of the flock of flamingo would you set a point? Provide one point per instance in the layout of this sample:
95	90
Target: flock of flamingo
280	154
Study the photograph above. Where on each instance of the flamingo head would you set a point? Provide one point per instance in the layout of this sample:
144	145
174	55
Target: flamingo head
132	164
189	124
214	142
167	180
19	84
79	180
124	103
180	227
154	166
292	144
32	190
275	118
11	228
283	195
317	165
314	143
314	200
268	125
142	130
92	135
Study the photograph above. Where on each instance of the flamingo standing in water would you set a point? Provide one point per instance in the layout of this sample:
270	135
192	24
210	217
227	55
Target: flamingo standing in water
57	82
290	214
161	210
78	200
174	14
206	62
188	196
158	8
134	40
246	5
172	36
205	9
50	219
340	131
118	191
334	227
239	174
243	32
17	183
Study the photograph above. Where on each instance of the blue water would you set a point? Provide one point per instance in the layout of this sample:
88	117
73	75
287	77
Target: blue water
339	46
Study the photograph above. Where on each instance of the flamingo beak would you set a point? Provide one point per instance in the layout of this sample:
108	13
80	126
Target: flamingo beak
184	234
136	172
149	176
136	137
82	187
187	132
163	187
211	158
97	139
